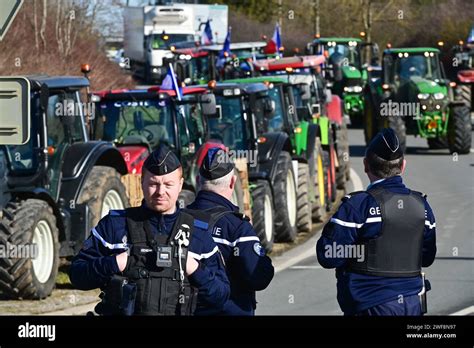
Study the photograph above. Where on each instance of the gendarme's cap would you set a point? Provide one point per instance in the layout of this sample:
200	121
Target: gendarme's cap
162	161
216	164
386	145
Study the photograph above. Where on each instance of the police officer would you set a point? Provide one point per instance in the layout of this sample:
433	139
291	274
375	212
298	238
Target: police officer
379	239
153	259
248	268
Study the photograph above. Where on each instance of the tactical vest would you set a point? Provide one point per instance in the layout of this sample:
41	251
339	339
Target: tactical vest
397	250
157	266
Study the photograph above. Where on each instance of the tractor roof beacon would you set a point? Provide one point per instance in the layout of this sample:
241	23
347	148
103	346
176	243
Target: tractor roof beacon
47	203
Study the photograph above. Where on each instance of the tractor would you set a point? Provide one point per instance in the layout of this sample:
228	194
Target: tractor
413	96
315	104
464	72
55	184
137	121
200	64
247	124
345	71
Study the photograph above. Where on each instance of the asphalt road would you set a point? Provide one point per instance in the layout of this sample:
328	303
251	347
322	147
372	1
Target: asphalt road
305	288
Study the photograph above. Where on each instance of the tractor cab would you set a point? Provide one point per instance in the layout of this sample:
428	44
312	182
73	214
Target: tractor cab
137	121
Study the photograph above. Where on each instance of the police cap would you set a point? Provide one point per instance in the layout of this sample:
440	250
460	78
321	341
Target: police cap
386	145
162	161
216	164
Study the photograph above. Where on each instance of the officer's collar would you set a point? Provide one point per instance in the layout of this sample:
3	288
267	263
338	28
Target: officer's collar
396	178
217	199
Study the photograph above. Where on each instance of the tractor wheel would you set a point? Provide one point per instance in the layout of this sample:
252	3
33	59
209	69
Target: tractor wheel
262	213
437	143
463	93
459	130
238	195
328	179
319	204
342	156
303	217
32	274
103	191
398	125
284	190
370	125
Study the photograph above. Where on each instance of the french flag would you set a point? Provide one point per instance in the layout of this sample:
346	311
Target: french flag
206	37
274	45
225	52
170	83
470	39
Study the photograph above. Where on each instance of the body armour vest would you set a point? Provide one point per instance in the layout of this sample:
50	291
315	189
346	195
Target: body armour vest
397	250
157	264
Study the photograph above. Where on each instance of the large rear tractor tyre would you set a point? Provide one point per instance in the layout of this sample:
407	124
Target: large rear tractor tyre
103	191
284	189
318	206
262	213
437	143
342	171
398	125
370	124
29	227
459	130
304	221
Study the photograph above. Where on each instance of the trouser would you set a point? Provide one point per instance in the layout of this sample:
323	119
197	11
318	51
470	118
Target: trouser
406	306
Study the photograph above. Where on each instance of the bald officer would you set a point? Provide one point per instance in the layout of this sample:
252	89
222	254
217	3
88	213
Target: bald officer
154	259
379	239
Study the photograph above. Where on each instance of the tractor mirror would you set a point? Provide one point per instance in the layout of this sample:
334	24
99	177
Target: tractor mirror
208	105
305	92
316	109
303	113
328	94
269	106
15	110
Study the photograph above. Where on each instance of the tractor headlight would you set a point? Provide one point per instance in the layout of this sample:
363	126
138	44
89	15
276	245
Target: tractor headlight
423	96
353	89
438	96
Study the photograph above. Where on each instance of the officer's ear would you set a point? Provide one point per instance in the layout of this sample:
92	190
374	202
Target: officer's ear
233	180
404	164
366	166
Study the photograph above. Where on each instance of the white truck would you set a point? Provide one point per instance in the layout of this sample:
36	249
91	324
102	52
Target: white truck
151	31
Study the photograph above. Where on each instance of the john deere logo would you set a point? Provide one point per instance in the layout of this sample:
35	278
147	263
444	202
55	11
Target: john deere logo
8	11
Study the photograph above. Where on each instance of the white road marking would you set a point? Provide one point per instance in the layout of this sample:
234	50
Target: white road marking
472	150
356	181
307	267
465	311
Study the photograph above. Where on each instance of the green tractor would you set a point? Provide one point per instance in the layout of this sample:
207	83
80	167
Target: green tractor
345	71
55	184
247	124
305	144
414	97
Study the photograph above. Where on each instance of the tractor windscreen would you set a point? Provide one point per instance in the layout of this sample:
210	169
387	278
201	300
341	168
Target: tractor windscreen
345	53
275	123
136	121
421	65
230	127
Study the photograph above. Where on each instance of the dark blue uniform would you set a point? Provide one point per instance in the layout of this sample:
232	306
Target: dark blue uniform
96	262
248	269
359	218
